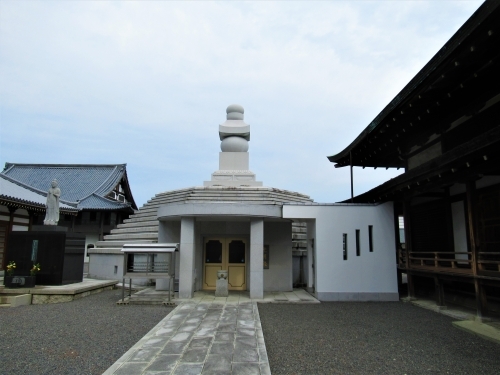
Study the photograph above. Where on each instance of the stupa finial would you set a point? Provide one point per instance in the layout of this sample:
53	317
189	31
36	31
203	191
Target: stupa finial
234	134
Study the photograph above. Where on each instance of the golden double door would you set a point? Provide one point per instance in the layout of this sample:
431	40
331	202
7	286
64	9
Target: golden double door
225	254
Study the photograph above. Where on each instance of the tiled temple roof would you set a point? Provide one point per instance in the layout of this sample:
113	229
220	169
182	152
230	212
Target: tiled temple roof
83	185
13	194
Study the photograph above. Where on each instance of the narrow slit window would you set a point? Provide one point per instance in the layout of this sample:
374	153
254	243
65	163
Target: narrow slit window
358	246
344	245
370	237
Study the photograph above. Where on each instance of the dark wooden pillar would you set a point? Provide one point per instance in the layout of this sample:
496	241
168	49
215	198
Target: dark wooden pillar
481	303
8	232
31	214
450	244
438	283
11	217
101	227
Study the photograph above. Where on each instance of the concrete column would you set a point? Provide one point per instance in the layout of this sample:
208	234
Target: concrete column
187	248
168	232
257	258
311	234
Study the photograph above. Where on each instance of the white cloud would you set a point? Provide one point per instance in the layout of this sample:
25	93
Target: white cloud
147	83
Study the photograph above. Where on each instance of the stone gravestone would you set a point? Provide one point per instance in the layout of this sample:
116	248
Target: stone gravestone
221	289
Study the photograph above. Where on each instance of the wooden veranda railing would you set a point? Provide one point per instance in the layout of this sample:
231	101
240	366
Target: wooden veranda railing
455	262
489	261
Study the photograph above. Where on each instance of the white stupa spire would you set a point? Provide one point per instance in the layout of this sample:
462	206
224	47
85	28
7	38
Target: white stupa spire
234	134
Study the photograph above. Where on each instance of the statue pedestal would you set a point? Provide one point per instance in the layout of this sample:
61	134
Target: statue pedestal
60	254
48	228
221	289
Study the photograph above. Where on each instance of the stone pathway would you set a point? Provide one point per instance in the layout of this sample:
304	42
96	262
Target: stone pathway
206	335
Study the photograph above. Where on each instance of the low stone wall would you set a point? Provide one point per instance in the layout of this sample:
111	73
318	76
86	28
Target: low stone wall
39	299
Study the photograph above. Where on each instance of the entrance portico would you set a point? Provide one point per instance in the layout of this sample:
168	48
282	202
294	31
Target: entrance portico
201	223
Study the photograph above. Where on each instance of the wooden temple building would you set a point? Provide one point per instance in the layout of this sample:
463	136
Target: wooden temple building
443	129
95	198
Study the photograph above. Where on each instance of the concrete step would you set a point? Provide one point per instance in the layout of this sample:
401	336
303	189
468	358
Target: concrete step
134	219
132	236
14	300
149	215
137	224
5	299
149	211
299	236
135	230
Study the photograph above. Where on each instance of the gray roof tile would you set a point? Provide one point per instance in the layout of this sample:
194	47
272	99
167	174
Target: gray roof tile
13	192
79	183
93	201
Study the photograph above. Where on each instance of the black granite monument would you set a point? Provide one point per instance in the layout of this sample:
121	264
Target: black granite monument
59	253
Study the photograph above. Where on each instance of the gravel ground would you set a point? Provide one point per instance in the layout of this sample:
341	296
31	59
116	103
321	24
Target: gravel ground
371	338
85	336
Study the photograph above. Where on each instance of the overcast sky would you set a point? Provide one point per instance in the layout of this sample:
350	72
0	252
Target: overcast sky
148	83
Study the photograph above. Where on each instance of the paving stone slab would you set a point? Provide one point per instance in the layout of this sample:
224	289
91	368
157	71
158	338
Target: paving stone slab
129	368
217	364
174	347
194	355
188	369
224	336
144	355
222	347
246	369
164	362
200	342
243	353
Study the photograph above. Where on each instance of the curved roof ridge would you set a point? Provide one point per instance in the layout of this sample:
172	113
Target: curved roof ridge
77	181
112	203
9	165
106	180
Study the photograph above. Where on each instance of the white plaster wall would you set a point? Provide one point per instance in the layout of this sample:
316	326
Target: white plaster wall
19	228
90	239
102	266
278	278
369	277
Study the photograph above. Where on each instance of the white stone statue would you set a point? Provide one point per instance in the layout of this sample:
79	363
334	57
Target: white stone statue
52	205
